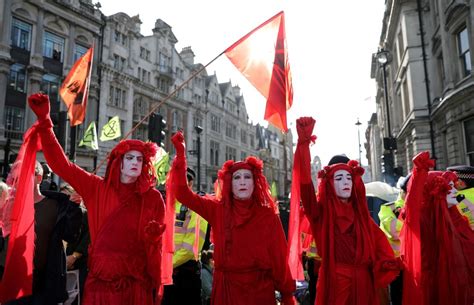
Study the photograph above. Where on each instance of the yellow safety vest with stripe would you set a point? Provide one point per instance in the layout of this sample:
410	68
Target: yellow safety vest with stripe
188	243
391	226
466	207
313	251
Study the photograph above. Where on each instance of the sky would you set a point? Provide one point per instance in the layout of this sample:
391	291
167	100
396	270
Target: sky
330	44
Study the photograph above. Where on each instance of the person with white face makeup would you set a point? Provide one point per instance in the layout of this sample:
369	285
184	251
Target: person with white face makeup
249	242
125	213
437	244
357	259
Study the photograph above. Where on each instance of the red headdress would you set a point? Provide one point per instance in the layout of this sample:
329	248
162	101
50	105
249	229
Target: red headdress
436	269
261	193
365	251
146	180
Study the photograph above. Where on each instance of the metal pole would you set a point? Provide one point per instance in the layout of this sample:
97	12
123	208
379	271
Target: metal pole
199	163
358	123
389	128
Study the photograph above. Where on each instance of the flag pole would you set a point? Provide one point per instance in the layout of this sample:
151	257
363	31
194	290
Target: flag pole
72	145
162	102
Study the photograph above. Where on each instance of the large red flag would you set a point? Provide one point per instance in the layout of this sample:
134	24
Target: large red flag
262	57
75	88
18	274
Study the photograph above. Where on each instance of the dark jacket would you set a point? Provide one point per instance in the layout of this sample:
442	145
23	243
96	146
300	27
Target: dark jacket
51	284
81	244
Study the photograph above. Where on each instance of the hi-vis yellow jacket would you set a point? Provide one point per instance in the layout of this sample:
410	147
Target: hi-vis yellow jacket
189	235
391	226
466	207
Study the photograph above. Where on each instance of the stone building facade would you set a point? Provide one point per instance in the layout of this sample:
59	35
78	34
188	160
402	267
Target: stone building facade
429	83
133	74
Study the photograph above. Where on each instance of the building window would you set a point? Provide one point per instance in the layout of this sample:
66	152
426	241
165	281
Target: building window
464	52
117	97
21	34
215	123
230	153
14	122
119	62
50	86
214	150
469	136
243	155
79	51
117	36
17	78
197	121
406	99
53	46
230	131
243	137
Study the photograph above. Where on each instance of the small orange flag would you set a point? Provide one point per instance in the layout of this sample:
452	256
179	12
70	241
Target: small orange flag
262	57
75	88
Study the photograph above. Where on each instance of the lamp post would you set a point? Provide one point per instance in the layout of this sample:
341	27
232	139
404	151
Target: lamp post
384	58
358	123
198	129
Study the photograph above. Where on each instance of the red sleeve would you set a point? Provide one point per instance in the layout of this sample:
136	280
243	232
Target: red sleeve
387	267
308	197
281	271
154	245
82	181
204	206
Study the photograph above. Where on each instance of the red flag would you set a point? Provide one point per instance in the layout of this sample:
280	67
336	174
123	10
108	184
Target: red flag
18	275
262	57
75	88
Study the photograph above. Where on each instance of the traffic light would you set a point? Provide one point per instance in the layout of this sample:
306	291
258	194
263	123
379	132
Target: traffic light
388	168
387	164
157	129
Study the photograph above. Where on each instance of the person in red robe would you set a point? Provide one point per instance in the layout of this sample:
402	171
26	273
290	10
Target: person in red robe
356	256
249	241
126	215
436	242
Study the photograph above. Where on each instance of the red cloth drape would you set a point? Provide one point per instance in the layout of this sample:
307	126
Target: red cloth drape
301	174
18	274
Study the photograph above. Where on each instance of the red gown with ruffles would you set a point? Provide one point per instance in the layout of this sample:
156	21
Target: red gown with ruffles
356	256
249	254
124	262
437	270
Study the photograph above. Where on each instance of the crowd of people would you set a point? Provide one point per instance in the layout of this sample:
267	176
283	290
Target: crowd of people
229	247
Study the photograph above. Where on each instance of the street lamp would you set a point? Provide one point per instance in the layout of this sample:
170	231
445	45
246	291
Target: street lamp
198	129
384	58
358	123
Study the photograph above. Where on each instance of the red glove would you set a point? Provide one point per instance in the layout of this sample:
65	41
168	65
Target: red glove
40	105
423	161
304	127
178	142
154	231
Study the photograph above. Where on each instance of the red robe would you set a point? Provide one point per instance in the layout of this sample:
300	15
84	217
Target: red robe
250	248
436	267
352	275
356	256
124	261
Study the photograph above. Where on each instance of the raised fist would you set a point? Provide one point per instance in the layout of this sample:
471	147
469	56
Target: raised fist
423	161
304	127
178	142
40	105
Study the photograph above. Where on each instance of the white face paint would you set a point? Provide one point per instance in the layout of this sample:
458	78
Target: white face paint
242	184
343	184
132	164
451	197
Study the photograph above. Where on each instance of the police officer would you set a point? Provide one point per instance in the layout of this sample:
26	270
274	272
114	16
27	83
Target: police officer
189	236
